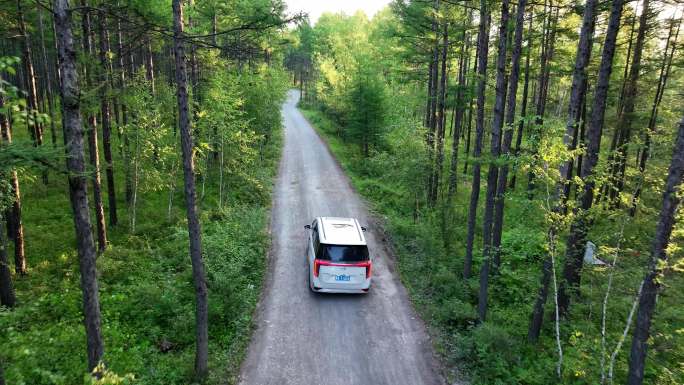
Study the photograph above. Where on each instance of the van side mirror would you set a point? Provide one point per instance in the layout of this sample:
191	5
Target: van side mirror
308	227
363	228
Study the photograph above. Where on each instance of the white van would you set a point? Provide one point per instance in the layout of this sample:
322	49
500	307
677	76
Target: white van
338	256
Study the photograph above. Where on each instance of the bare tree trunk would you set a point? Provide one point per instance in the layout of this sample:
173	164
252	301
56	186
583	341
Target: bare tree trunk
652	282
548	46
202	336
493	172
93	151
149	63
583	126
577	90
16	229
7	297
624	124
459	110
76	165
470	114
483	51
432	117
134	181
523	110
124	114
221	171
58	73
537	318
497	227
578	229
106	117
650	129
437	172
48	79
35	128
628	57
194	65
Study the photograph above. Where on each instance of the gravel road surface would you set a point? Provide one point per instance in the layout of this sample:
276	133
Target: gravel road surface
304	338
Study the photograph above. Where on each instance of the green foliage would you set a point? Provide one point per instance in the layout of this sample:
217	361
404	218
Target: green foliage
19	156
264	91
146	290
366	115
150	138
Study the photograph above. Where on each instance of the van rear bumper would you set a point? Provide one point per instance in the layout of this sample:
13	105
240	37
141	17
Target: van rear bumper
322	287
342	291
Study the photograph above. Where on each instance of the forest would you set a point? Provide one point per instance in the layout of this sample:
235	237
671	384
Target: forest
139	120
525	160
499	141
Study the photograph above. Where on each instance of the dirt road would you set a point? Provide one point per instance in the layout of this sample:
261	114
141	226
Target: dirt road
303	338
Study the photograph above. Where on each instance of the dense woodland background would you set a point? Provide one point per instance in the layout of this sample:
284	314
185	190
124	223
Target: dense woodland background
495	138
142	320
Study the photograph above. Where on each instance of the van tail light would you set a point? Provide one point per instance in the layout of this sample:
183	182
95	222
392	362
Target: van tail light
369	267
317	266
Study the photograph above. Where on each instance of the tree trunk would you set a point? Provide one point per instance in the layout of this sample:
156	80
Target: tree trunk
432	117
624	124
493	173
437	172
106	116
577	90
48	79
124	114
7	297
428	103
650	129
577	237
508	133
459	110
194	66
470	113
628	57
537	318
201	354
523	109
483	51
149	63
35	128
76	165
18	227
583	126
15	225
652	282
93	151
548	46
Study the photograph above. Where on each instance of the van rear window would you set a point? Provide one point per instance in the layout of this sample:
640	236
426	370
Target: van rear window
343	253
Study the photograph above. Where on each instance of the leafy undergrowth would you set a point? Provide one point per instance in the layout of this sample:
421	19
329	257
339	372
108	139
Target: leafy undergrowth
430	247
146	290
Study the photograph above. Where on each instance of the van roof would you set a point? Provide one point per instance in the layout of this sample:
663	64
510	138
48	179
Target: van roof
340	231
